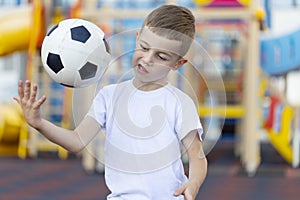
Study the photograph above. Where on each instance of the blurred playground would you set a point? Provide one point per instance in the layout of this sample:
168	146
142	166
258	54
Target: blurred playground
247	95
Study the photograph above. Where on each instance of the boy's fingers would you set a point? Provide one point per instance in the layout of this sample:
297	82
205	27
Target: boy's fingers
39	102
27	89
34	93
179	191
17	99
20	89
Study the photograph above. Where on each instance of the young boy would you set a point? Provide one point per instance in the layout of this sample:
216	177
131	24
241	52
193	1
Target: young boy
147	121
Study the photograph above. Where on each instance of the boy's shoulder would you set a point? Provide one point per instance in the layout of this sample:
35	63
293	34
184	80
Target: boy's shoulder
179	93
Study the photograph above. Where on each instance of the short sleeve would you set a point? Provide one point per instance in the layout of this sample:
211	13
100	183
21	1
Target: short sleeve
98	108
187	118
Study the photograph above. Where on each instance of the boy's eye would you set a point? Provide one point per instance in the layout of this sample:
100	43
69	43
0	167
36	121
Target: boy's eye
143	47
162	57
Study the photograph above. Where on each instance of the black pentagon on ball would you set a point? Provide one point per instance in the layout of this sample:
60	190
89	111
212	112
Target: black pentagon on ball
80	34
88	71
54	62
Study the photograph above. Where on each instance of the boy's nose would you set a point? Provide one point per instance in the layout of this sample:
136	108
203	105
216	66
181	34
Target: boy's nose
147	58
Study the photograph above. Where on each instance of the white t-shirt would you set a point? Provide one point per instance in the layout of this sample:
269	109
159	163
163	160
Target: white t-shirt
142	148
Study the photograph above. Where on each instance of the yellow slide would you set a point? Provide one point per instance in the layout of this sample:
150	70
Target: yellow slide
15	29
281	140
12	124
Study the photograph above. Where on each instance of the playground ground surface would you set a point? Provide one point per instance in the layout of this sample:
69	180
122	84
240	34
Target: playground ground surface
51	178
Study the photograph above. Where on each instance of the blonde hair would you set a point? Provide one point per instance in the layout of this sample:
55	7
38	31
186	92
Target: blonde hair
172	22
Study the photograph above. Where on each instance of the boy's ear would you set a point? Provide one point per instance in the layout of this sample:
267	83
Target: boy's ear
137	33
179	63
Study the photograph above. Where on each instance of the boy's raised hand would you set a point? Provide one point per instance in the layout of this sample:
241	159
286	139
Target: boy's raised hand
29	103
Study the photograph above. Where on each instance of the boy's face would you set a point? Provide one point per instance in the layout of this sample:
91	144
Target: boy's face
155	56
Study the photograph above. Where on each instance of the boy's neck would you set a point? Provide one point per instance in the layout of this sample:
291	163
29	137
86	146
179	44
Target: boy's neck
150	86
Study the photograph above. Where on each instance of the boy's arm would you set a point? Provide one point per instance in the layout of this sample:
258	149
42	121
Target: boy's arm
197	167
72	140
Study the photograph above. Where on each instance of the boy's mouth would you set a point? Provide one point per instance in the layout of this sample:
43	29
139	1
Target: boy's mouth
141	68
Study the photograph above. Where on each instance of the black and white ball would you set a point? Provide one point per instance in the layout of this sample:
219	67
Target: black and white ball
75	53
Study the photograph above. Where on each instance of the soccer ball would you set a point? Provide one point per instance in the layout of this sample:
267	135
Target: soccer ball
75	53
